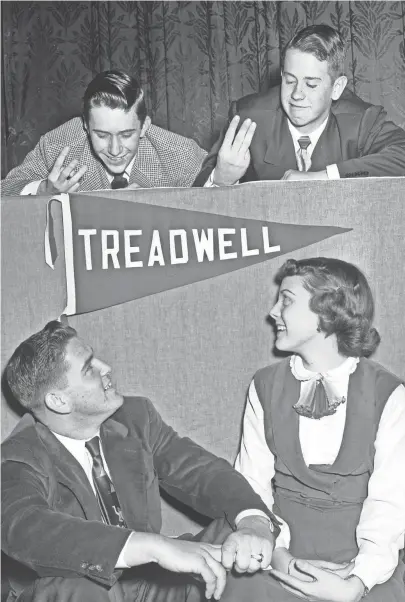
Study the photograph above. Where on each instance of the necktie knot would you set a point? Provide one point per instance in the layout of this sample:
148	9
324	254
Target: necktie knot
304	142
94	446
119	181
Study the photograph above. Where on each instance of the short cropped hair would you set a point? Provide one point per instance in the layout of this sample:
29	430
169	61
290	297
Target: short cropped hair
342	298
38	364
325	43
116	90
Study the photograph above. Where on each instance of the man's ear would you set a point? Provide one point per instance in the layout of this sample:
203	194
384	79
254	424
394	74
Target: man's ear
338	87
145	126
57	402
86	129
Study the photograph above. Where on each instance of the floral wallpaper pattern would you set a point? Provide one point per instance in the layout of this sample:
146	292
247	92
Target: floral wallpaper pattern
192	58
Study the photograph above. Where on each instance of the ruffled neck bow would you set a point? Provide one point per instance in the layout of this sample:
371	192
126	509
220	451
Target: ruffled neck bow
320	397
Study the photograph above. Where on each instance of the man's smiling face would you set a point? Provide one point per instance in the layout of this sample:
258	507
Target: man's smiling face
88	383
307	90
115	135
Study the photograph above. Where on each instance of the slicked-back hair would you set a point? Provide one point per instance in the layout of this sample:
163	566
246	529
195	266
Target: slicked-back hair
38	364
342	298
116	90
325	43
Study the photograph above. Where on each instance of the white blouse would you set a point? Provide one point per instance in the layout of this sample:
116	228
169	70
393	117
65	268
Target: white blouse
381	528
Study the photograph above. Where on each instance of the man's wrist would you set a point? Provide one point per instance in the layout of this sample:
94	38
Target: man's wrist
219	180
360	589
42	186
261	520
141	548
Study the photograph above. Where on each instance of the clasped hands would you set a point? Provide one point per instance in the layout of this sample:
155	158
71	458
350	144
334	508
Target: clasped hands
316	580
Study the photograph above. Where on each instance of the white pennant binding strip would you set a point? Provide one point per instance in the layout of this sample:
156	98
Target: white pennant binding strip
64	200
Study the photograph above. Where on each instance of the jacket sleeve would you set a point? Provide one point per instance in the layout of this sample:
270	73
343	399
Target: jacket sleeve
53	543
211	159
34	167
198	478
381	147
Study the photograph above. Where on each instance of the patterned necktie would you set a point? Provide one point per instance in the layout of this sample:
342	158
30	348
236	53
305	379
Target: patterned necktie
106	494
303	158
119	181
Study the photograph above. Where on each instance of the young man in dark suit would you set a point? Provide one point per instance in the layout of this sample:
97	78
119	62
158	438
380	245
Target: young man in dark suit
80	489
310	127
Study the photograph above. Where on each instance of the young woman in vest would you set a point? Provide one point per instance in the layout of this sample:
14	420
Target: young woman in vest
324	444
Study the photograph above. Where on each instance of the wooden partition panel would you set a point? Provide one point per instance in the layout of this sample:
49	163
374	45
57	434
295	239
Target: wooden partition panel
193	350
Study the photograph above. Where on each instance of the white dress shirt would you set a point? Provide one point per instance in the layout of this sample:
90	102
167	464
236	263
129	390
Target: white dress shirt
381	528
331	170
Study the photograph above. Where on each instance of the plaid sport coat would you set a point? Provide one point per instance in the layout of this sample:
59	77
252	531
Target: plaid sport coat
163	159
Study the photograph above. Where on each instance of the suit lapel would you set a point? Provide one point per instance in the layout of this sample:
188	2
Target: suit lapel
146	170
69	473
328	148
125	457
95	177
280	150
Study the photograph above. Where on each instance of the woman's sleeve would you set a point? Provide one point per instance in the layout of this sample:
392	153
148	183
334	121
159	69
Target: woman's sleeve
381	529
255	460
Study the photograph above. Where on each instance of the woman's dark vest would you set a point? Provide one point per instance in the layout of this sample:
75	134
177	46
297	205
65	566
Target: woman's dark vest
322	503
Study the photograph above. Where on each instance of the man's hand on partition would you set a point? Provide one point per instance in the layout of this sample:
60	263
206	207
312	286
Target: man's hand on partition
62	179
234	156
324	584
202	560
133	186
293	174
250	547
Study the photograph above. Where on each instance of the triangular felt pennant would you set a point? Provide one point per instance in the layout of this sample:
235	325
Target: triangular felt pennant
123	250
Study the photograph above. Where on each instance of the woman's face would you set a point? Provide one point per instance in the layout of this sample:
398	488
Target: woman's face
296	324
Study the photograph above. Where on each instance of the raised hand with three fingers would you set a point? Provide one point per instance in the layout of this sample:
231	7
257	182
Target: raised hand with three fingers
234	155
60	178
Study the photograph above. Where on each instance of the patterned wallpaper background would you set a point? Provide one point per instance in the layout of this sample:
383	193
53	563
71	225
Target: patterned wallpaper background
192	58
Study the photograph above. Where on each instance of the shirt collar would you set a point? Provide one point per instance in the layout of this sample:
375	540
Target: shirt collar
126	173
75	446
335	374
314	136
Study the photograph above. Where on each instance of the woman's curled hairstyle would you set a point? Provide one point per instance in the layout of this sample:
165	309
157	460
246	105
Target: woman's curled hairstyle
341	296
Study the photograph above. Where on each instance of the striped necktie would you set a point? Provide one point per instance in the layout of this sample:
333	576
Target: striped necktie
106	494
119	181
303	158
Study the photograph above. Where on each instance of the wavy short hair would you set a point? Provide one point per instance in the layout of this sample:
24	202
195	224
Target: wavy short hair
325	43
116	90
38	364
342	298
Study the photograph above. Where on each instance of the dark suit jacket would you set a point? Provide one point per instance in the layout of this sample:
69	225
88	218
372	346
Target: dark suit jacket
163	159
358	138
51	521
